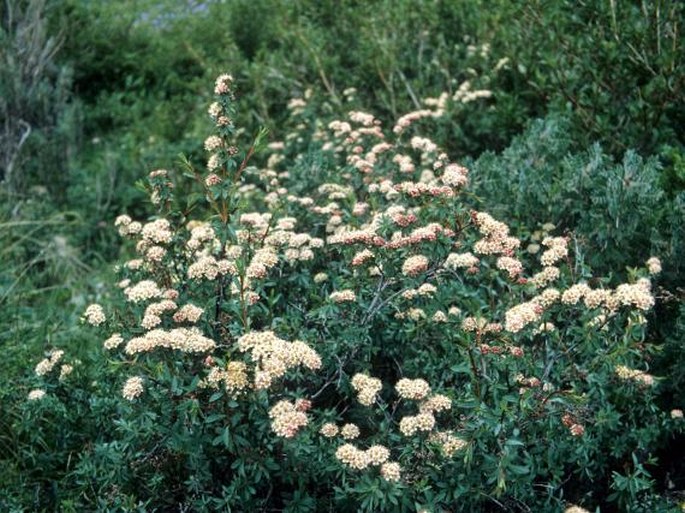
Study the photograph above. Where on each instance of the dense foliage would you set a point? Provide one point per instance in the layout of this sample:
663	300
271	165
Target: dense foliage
440	253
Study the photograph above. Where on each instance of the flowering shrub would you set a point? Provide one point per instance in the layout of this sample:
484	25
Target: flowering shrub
369	341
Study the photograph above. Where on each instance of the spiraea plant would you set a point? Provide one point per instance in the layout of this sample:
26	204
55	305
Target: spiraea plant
349	330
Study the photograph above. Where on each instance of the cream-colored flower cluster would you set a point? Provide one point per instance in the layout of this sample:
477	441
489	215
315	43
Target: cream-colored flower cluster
133	388
638	295
557	250
207	267
154	311
425	290
157	232
343	296
519	316
127	227
114	341
455	176
411	424
94	315
391	471
546	276
233	377
329	430
496	239
654	265
448	442
188	313
263	260
511	265
366	388
461	261
36	394
287	419
575	509
143	291
415	265
359	459
275	356
187	340
638	376
223	84
413	389
349	431
418	189
361	257
47	364
435	403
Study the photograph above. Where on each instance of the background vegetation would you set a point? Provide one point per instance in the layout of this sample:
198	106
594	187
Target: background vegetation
583	130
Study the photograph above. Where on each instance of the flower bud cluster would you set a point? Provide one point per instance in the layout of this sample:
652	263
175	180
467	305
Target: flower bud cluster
573	425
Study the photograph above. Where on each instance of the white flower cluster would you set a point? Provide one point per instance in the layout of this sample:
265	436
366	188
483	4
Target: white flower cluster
133	388
366	387
359	459
449	443
496	239
275	356
343	296
187	340
143	291
461	261
47	364
413	389
638	376
410	424
414	265
519	316
287	420
94	315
